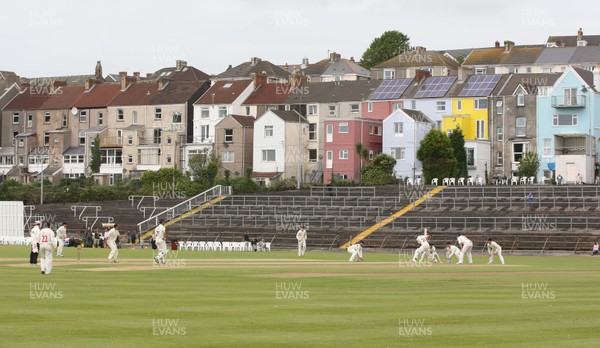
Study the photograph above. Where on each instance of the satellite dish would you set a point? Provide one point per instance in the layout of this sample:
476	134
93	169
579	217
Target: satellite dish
74	111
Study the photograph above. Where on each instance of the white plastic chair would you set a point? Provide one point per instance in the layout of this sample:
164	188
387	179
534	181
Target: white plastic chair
523	180
217	246
446	181
418	182
409	182
461	181
542	180
188	245
210	246
514	180
181	245
268	246
480	181
202	246
195	245
434	182
531	180
471	181
452	181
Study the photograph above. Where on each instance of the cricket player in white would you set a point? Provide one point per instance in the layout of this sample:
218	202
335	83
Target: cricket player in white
111	240
356	251
47	244
61	235
467	246
35	243
494	248
160	233
301	236
424	245
452	250
432	256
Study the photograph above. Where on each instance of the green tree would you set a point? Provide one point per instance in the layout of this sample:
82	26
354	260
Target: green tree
529	164
437	155
380	171
363	153
387	46
95	162
457	139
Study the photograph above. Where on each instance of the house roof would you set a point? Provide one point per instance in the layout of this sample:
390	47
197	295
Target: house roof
417	115
270	94
187	73
177	92
345	66
588	77
70	80
457	53
225	92
528	81
571	40
140	93
27	99
64	98
255	65
555	55
497	56
290	116
75	150
413	59
244	121
457	87
317	68
7	151
96	129
338	91
100	95
587	54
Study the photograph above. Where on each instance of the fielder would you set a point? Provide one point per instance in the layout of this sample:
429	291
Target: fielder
301	236
61	235
111	239
35	243
452	250
356	251
494	248
47	244
467	246
432	256
424	248
160	233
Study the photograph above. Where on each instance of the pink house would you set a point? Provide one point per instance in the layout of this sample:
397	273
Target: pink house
342	161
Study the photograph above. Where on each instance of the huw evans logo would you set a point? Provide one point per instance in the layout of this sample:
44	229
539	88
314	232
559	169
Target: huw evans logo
414	327
536	291
167	327
44	291
405	260
290	222
537	18
290	18
290	291
537	222
165	190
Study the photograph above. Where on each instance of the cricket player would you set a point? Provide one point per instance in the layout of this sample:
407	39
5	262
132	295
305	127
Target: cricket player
467	246
432	256
160	234
494	248
47	244
61	235
451	250
356	251
35	243
111	241
424	246
301	237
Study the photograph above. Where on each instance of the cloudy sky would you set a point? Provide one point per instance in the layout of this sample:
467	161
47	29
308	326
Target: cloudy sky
67	37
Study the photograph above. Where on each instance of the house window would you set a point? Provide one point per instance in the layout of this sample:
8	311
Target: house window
343	127
247	111
169	139
83	116
397	106
354	108
268	131
21	143
329	133
169	159
130	159
312	155
564	120
519	150
177	117
101	117
222	111
371	129
81	138
398	128
547	147
470	156
499	108
413	104
46	138
459	105
570	95
46	117
481	104
204	112
111	156
312	109
399	153
129	140
499	158
157	136
29	121
15	118
377	130
228	135
389	74
228	156
546	70
204	133
329	159
157	114
119	136
268	155
370	106
513	70
371	154
521	124
120	115
480	71
480	129
343	154
520	99
332	110
441	106
312	131
499	133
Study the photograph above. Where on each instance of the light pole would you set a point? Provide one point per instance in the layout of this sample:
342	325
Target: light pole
299	180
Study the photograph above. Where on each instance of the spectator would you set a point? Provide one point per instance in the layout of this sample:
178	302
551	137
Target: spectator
262	246
578	179
133	237
559	179
595	248
254	244
247	241
530	200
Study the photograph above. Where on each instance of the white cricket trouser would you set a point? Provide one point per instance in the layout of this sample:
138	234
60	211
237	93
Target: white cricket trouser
354	256
61	245
466	250
499	252
46	255
449	255
424	248
301	247
162	249
114	251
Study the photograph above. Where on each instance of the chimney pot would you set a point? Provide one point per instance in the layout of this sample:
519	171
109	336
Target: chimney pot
508	45
123	73
254	61
136	74
497	44
579	34
149	75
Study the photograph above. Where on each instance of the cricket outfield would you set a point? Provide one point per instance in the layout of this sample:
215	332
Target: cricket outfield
275	299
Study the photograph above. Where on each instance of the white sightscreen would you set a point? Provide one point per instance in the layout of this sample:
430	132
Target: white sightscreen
11	219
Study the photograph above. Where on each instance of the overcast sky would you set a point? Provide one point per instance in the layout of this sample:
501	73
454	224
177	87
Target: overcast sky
51	38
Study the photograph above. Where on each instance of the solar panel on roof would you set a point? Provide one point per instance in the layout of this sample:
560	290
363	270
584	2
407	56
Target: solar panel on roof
435	87
391	89
480	86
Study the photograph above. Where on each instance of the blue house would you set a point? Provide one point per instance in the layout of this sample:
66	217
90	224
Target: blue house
568	118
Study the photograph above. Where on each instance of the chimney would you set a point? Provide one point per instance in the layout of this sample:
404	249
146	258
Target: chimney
298	78
89	84
254	61
123	75
497	44
259	79
579	34
99	71
460	74
420	50
597	77
508	45
352	59
136	74
149	75
161	83
421	74
304	62
334	57
180	64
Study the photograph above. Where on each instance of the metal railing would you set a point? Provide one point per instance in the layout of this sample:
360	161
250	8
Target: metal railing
386	202
95	219
184	206
132	198
83	208
521	191
275	222
373	212
359	191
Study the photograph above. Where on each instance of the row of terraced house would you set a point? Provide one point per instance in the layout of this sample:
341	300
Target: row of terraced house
305	120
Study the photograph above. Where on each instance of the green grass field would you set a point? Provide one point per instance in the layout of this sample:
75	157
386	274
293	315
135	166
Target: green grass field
227	299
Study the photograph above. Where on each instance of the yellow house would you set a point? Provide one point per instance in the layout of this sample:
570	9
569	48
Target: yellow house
471	114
